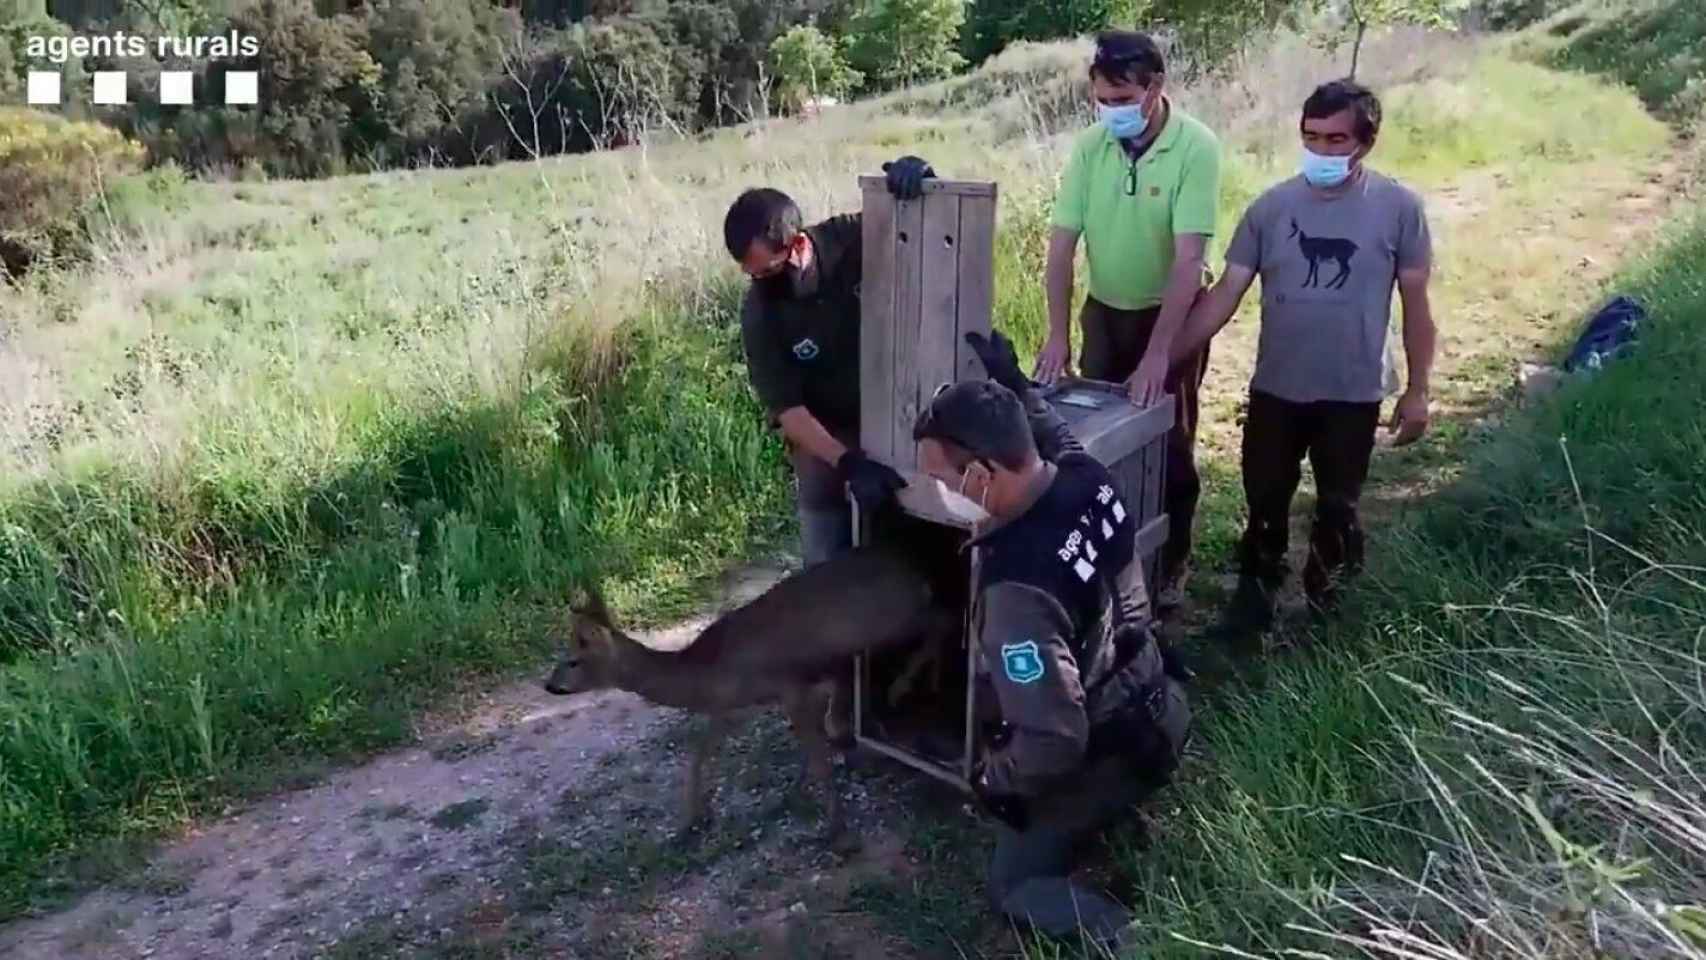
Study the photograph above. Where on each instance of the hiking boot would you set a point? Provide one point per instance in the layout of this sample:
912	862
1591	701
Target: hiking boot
1172	594
1253	603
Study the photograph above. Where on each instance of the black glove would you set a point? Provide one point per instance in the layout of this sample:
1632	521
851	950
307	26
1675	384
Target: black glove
996	354
1009	808
906	177
872	483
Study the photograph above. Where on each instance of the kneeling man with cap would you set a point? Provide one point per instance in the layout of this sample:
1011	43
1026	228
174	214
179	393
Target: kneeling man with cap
1090	721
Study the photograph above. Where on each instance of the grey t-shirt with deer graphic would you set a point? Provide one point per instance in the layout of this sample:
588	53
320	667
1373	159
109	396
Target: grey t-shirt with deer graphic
1328	266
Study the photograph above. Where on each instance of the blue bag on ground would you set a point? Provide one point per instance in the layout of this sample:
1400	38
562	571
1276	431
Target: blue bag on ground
1609	334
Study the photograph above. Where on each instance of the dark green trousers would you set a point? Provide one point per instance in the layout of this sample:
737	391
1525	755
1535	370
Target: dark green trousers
1029	877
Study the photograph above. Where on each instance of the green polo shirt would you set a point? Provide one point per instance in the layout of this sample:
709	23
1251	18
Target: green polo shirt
1128	236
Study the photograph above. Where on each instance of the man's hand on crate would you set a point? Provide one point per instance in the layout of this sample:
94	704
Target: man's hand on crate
872	483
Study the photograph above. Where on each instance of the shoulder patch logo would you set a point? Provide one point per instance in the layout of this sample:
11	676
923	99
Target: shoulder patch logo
1023	662
806	349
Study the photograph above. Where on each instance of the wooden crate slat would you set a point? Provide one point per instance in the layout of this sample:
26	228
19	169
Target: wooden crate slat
876	320
934	186
909	247
937	356
977	278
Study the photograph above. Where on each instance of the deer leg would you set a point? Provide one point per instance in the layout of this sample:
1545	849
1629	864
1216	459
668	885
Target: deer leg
1344	275
693	805
797	702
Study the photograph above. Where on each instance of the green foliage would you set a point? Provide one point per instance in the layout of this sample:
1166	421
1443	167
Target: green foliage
991	25
1658	48
808	64
435	61
50	170
898	43
1360	15
1212	32
319	87
14	60
1514	14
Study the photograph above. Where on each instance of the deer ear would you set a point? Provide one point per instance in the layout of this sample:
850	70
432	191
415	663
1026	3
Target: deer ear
594	609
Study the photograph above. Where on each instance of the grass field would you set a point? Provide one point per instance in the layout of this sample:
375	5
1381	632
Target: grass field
292	461
1497	752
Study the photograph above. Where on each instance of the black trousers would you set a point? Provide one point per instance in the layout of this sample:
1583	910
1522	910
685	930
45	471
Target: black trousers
1338	438
1114	342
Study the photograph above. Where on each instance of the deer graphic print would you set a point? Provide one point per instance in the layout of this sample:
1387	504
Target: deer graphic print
1317	249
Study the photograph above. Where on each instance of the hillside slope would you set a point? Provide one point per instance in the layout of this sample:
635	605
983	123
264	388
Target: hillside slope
359	437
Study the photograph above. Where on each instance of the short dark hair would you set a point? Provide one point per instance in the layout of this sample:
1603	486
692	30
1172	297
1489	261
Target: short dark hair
1336	95
1127	55
983	418
760	214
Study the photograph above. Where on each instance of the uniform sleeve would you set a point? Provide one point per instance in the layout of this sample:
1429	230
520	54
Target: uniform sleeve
1023	639
1415	240
775	380
1245	249
1071	203
1196	204
1049	430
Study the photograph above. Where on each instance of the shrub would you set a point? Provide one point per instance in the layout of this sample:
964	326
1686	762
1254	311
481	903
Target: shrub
437	60
319	87
808	64
50	169
991	25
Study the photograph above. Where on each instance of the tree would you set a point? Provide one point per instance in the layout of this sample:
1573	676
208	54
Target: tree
902	42
437	63
318	84
1363	14
993	24
807	64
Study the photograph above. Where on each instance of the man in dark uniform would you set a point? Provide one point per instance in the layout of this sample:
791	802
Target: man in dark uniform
800	329
1091	718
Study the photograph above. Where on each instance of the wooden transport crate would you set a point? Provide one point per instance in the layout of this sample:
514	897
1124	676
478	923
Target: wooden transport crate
928	279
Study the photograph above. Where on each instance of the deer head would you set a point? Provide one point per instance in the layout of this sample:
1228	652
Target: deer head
1294	229
589	660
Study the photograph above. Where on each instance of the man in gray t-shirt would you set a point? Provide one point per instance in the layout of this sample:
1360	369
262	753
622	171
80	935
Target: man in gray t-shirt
1329	245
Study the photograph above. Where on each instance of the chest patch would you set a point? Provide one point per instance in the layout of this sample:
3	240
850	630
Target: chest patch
806	349
1022	662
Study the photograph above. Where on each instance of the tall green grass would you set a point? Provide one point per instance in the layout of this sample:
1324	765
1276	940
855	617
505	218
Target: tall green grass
1499	752
1652	46
440	557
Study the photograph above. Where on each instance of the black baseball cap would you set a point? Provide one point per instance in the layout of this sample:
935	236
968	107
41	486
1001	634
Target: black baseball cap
982	416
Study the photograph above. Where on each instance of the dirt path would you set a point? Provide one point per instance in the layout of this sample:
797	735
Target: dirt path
540	827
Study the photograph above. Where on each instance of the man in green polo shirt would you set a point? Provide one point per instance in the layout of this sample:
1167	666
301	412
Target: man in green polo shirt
1141	189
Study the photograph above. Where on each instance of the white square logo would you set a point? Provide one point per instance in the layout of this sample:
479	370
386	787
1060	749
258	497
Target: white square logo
44	88
109	86
177	88
242	87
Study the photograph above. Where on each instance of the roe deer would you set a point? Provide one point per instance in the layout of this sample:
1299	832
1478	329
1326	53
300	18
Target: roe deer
787	645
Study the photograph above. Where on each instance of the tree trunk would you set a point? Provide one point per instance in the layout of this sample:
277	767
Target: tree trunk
1356	47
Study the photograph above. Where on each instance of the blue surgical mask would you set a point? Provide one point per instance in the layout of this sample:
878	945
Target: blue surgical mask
1124	122
1324	171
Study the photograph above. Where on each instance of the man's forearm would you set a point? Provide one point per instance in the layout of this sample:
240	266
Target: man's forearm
1182	285
1420	337
1058	287
804	430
